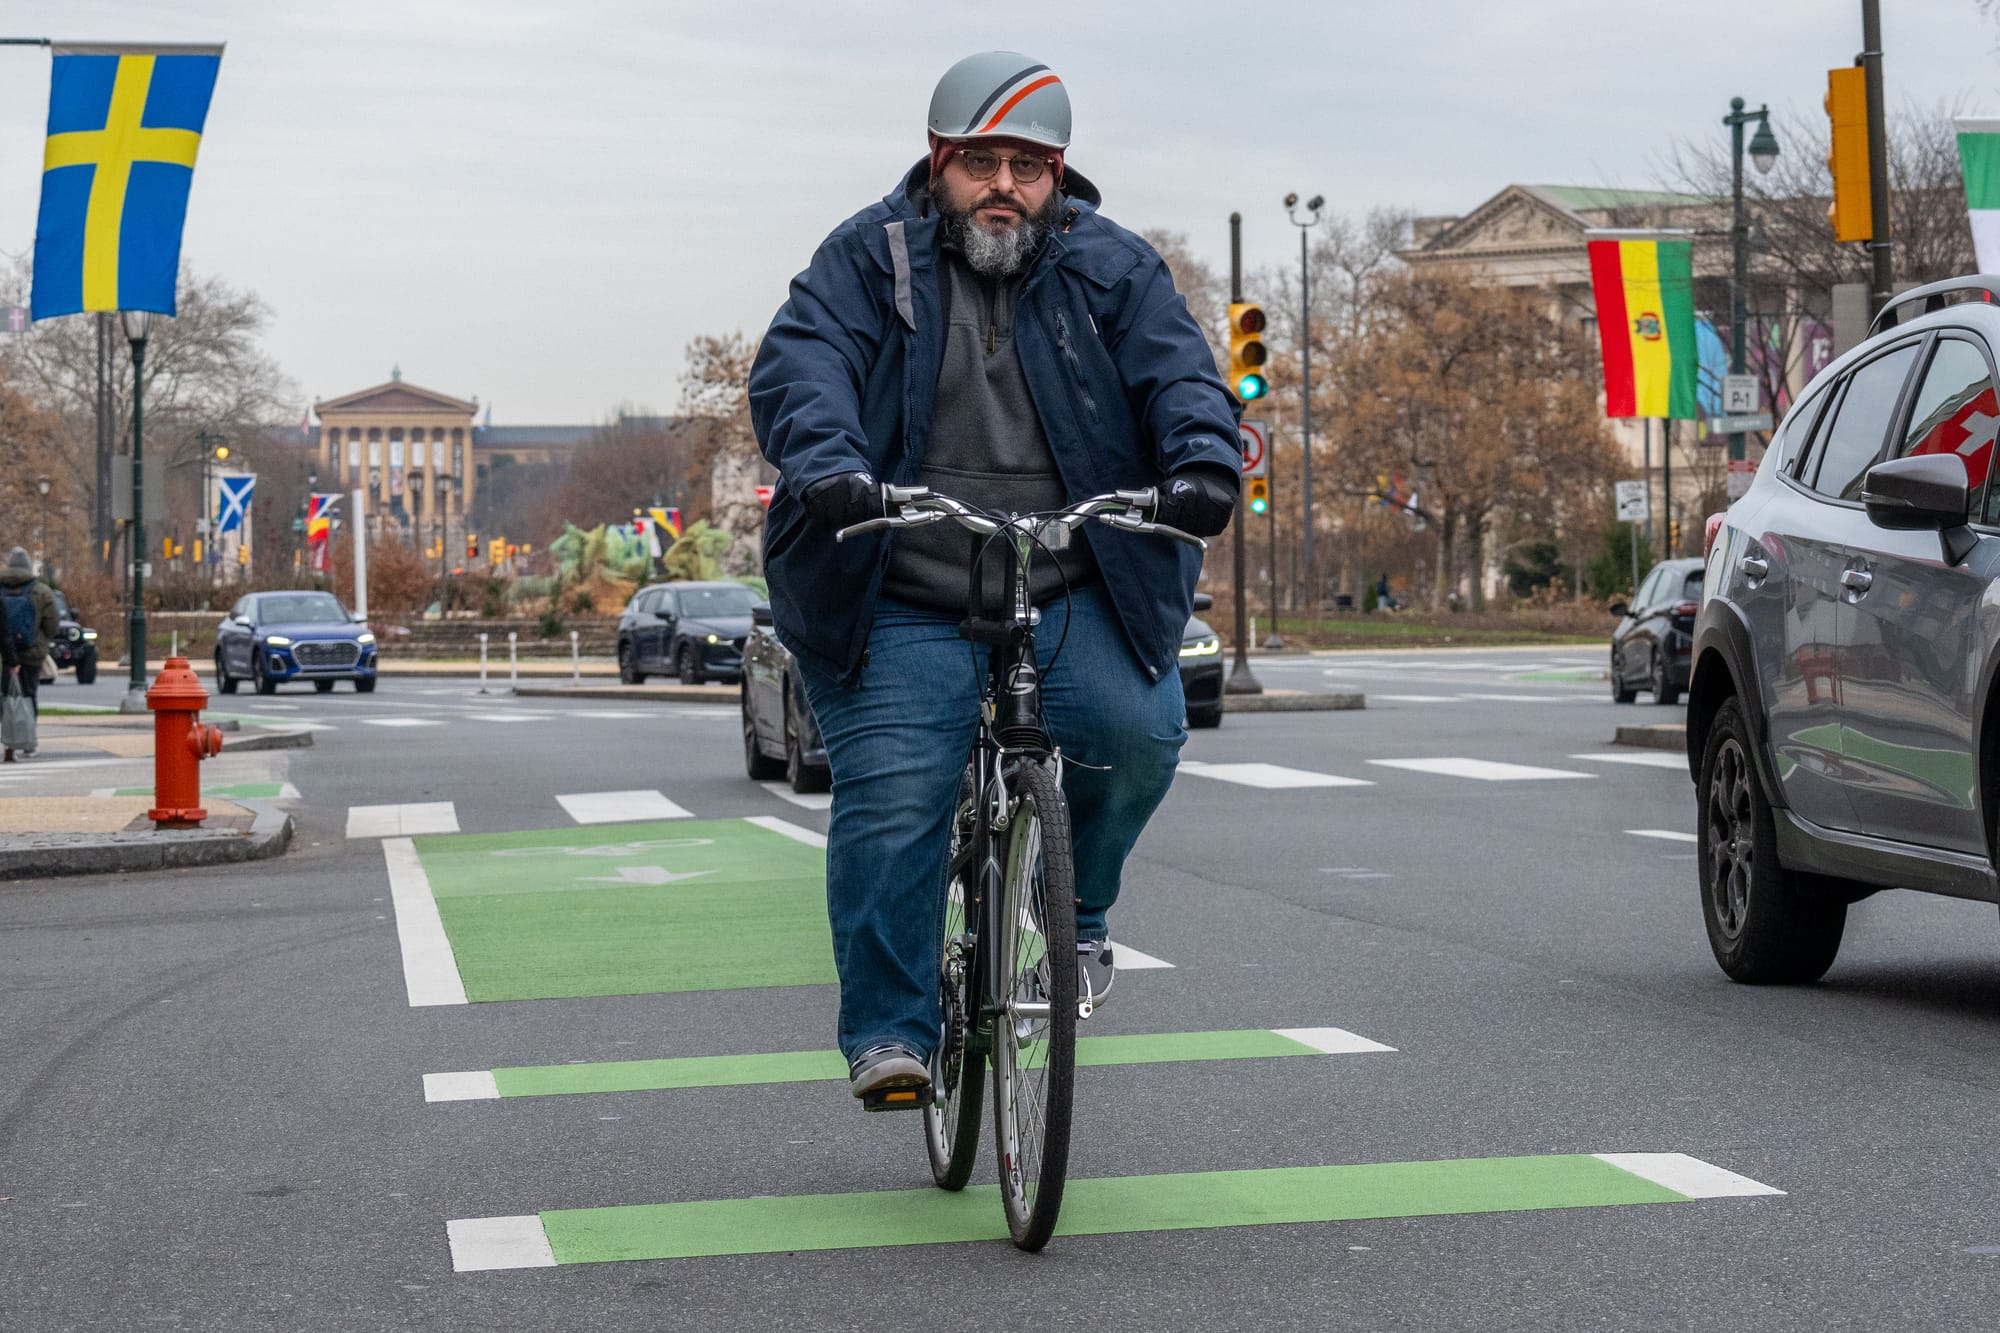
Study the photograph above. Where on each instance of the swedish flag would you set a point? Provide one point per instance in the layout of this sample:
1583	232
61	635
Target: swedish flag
124	124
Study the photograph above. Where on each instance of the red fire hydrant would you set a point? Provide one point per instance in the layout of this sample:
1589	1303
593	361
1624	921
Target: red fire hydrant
179	745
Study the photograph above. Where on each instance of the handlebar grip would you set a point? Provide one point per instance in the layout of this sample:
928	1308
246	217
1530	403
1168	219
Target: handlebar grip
866	525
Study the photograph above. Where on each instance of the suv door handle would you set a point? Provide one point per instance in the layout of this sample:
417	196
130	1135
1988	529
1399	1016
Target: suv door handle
1857	581
1756	566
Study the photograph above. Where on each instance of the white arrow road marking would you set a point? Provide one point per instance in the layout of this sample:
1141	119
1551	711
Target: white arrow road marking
646	875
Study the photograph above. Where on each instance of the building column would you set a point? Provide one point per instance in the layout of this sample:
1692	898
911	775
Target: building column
468	477
325	438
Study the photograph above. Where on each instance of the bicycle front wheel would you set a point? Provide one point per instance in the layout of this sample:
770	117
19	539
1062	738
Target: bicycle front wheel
951	1121
1034	1041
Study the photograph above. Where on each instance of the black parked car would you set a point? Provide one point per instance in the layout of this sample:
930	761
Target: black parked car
74	647
1843	721
780	738
1201	668
1650	649
694	631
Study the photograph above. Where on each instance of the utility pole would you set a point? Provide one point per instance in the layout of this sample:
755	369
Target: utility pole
1241	679
1883	286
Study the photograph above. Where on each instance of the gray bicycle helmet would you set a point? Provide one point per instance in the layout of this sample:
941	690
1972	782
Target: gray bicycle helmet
1001	95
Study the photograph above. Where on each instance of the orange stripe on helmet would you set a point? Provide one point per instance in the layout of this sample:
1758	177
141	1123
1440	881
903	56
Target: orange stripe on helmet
1015	101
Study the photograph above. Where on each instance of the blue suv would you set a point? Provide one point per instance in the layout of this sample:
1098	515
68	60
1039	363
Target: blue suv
272	637
1844	714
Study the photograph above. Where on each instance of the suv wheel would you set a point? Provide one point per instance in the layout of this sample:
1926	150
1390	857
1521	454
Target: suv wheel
690	666
760	766
1621	693
805	778
223	680
628	666
1765	923
1663	690
86	668
265	685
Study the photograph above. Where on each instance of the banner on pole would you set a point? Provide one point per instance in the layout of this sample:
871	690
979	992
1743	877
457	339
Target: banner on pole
234	500
1643	283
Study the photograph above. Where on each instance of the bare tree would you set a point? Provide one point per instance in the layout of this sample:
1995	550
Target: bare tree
634	461
715	388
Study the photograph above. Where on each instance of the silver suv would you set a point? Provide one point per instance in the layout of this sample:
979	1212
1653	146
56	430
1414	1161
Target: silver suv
1841	721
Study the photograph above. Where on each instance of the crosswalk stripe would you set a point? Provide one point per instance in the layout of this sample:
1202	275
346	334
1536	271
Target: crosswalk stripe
1415	698
1482	770
391	821
620	807
1665	835
509	717
1525	698
1271	777
807	800
729	1071
1642	758
482	1243
430	969
401	722
1687	1175
789	830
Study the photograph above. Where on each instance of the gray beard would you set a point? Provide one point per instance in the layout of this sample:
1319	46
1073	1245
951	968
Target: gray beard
1004	254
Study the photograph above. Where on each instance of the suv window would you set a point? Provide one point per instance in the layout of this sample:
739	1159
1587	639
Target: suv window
1649	591
1691	586
1956	412
1851	445
1796	429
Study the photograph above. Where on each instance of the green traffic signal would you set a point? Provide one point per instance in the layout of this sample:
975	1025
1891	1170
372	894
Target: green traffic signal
1258	504
1250	387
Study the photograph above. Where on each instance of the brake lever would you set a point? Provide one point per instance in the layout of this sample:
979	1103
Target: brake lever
1133	523
903	520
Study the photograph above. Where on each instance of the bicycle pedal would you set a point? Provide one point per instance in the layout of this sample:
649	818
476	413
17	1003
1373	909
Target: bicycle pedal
897	1099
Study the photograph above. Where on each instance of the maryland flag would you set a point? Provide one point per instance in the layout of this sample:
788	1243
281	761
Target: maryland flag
1644	285
124	124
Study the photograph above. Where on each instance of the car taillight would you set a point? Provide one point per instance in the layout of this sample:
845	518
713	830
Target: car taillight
1687	609
1708	534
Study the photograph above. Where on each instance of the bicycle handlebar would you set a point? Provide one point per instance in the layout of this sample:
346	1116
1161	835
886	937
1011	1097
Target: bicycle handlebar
918	505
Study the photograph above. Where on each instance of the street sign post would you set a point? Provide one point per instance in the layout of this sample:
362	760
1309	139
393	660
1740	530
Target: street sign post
1256	448
1633	508
1739	395
1733	425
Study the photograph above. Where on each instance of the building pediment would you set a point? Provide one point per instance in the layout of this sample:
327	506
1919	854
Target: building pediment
1517	218
396	397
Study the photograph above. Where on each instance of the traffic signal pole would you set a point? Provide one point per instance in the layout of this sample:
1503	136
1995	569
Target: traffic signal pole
1882	287
1241	680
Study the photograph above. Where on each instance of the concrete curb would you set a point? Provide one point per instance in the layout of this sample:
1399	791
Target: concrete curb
698	694
268	738
1272	701
1662	736
100	854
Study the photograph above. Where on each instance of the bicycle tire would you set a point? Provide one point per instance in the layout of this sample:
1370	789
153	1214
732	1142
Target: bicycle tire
1034	1063
951	1121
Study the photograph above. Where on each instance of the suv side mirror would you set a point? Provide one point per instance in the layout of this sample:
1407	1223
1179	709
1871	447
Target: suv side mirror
1203	602
1619	610
760	614
1920	492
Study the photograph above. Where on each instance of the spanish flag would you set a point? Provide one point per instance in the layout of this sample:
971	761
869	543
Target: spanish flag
1644	285
124	124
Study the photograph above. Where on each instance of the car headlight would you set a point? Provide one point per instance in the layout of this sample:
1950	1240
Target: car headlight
364	638
73	634
1207	647
90	634
714	639
277	641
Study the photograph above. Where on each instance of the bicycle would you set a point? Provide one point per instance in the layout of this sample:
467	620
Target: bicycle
1008	917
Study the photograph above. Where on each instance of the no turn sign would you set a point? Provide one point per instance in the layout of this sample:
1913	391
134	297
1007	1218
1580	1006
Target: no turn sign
1256	448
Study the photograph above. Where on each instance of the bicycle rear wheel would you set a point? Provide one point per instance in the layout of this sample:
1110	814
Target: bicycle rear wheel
951	1121
1034	1042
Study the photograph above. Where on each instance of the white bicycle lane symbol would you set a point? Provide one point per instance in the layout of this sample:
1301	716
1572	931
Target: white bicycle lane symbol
609	849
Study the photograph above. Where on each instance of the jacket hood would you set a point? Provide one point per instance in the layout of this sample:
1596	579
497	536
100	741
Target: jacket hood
916	188
13	580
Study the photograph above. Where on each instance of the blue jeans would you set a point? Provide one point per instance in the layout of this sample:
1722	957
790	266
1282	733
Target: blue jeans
897	743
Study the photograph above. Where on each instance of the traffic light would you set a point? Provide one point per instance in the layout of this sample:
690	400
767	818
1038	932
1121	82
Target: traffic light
496	550
1246	352
1260	495
471	546
1847	154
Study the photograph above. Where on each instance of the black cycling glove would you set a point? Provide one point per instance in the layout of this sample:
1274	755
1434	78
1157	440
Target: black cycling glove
842	500
1198	500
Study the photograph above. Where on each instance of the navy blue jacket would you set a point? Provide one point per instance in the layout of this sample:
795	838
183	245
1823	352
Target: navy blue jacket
1122	379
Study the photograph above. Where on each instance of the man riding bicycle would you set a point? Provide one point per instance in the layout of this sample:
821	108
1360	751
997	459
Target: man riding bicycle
984	331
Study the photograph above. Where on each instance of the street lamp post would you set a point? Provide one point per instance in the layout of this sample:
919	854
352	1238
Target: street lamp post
138	324
42	484
214	449
1763	153
1312	208
442	499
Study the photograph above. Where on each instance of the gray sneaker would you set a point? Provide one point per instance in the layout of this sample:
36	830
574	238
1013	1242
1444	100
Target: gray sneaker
1094	973
889	1078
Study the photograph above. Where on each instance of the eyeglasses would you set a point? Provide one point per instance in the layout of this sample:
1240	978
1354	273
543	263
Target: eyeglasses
980	165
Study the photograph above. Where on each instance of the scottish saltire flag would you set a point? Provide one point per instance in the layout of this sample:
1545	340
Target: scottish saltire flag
233	497
1644	286
124	124
1979	156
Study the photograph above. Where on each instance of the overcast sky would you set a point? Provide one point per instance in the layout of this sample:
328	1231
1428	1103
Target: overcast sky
540	203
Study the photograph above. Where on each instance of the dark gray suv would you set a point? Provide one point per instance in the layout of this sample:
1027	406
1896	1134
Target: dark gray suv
1842	728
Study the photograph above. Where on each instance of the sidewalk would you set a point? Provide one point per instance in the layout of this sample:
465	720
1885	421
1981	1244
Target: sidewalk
130	736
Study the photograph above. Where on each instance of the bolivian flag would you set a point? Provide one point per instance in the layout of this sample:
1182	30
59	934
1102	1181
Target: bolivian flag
1644	285
124	124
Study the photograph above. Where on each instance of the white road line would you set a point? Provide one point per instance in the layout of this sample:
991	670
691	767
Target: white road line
471	1085
401	821
1128	959
806	800
1664	834
620	807
1644	759
1271	777
626	715
430	969
401	722
482	1243
789	830
509	717
1686	1175
267	708
1484	770
1416	698
1334	1041
1526	698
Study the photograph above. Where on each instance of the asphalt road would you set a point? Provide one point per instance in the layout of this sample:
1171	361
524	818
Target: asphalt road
217	1117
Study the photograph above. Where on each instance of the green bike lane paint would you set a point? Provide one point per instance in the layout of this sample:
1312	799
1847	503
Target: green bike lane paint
725	1071
1092	1207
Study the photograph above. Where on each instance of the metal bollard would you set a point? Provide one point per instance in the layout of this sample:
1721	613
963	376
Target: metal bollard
180	743
482	664
513	661
575	661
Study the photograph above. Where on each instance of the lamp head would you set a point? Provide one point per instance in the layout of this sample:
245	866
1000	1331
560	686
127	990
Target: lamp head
138	324
42	485
1291	201
1316	203
1764	146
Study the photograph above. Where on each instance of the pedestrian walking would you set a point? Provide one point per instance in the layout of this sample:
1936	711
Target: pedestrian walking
29	623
